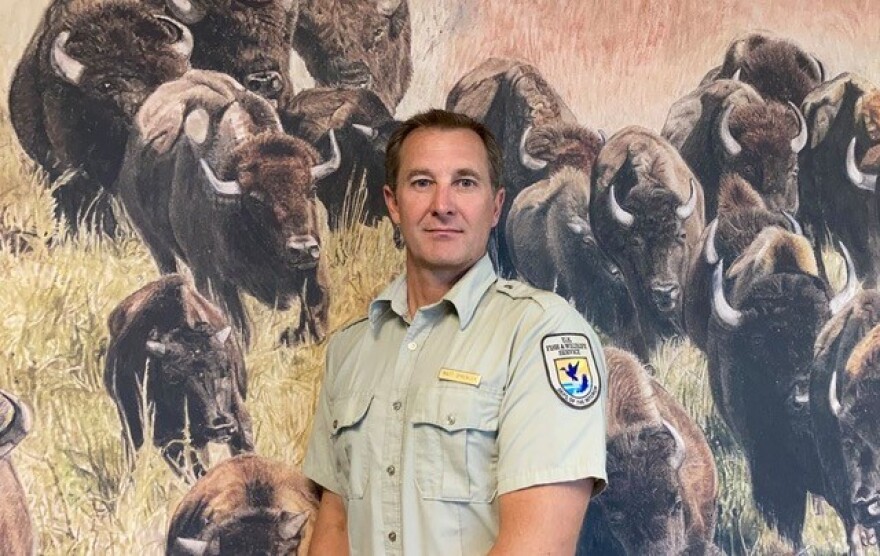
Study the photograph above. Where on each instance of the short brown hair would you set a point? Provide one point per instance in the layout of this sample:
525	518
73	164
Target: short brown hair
441	119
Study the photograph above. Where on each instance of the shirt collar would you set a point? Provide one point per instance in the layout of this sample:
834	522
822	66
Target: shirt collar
464	296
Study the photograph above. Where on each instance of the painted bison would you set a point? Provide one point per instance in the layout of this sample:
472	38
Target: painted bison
568	260
742	214
362	125
76	89
726	127
647	216
778	68
844	398
357	43
536	131
839	170
16	530
234	199
662	482
172	345
760	353
245	506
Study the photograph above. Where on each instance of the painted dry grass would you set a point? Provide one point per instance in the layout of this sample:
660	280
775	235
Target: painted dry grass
614	64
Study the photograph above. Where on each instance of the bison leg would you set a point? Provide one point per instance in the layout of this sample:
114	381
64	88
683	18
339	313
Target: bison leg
182	460
230	299
80	199
313	314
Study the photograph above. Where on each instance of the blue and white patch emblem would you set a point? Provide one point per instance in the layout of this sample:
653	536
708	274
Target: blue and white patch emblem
571	369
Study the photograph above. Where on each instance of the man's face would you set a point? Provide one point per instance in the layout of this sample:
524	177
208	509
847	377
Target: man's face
444	202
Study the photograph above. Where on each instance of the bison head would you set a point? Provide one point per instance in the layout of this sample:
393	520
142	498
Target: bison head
117	54
854	396
760	142
195	365
643	505
250	532
862	163
560	145
15	422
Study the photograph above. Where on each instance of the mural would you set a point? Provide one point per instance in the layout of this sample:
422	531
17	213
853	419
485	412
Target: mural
190	203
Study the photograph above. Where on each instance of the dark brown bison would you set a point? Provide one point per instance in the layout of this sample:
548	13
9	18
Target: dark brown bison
568	260
362	125
16	529
742	215
86	70
839	169
776	67
538	134
172	344
648	215
234	199
844	401
726	127
662	482
357	43
760	353
246	39
245	506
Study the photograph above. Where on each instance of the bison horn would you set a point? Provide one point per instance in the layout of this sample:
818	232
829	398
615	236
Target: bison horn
736	75
196	125
798	143
222	187
184	45
795	225
625	218
849	290
528	160
868	182
321	171
369	132
156	349
722	309
387	7
18	428
731	146
186	11
833	400
66	66
710	254
223	335
190	547
684	211
602	136
680	449
816	66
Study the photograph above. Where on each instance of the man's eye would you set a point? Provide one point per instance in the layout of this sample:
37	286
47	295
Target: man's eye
467	182
423	182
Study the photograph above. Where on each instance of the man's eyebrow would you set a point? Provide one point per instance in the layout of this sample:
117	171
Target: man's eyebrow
467	173
418	172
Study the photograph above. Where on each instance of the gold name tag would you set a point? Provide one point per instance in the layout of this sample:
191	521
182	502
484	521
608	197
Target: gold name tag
463	377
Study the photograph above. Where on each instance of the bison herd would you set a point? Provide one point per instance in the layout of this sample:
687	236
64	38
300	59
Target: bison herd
713	229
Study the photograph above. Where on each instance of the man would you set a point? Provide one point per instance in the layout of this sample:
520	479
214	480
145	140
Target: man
465	414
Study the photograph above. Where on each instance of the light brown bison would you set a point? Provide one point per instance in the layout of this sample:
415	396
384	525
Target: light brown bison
357	43
648	215
247	505
16	530
839	170
85	73
234	199
172	344
662	482
726	127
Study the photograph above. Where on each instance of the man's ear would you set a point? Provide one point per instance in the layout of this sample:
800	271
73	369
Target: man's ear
499	203
391	203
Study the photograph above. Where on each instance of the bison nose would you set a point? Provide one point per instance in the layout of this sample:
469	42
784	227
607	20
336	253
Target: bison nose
304	246
265	83
665	295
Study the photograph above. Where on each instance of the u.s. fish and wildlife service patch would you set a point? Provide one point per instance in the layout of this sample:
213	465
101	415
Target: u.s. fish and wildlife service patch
571	369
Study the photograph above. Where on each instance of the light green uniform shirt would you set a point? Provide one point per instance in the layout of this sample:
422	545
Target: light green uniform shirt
421	424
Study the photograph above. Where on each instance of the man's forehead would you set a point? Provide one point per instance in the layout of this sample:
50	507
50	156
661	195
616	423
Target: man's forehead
461	150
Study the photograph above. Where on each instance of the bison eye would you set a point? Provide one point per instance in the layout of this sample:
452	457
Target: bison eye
616	518
107	87
676	507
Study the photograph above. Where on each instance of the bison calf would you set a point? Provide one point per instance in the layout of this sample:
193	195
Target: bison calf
16	530
247	505
170	344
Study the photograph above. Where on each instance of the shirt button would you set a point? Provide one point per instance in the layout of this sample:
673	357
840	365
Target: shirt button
397	406
450	419
412	346
391	470
392	536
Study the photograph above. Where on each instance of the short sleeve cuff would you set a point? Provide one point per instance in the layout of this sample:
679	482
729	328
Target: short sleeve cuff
322	476
534	477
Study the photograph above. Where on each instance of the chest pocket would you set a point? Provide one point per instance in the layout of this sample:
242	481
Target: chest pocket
351	443
455	431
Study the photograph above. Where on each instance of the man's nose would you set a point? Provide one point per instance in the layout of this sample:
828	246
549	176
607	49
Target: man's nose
442	202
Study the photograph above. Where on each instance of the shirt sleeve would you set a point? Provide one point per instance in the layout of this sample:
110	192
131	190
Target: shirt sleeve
552	420
319	463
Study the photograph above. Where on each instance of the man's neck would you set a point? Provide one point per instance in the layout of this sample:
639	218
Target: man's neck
425	287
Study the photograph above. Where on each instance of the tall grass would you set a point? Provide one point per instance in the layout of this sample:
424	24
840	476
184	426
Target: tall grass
615	64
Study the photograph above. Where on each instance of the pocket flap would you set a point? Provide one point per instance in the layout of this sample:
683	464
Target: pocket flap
453	409
348	412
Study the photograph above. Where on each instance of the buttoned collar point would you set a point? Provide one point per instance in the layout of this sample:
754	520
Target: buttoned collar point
464	296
